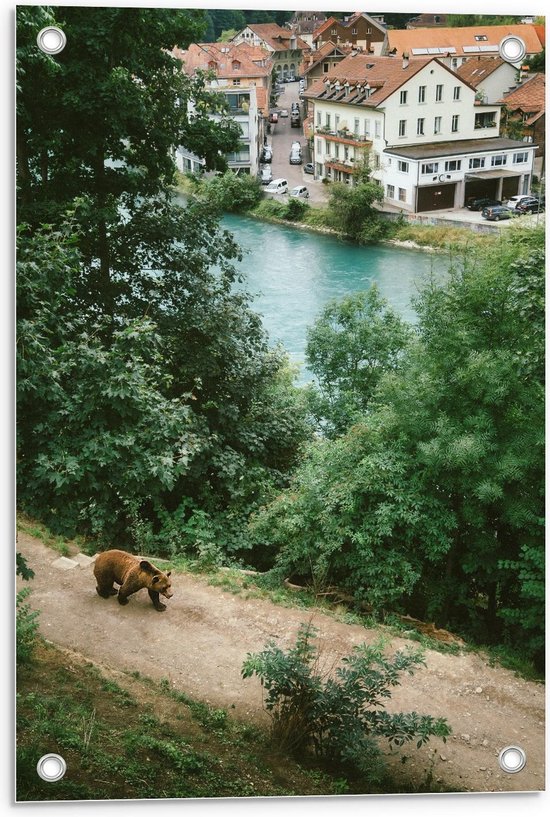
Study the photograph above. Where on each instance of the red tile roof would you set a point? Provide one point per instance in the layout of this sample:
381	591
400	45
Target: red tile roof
462	38
226	59
276	37
384	75
477	69
528	97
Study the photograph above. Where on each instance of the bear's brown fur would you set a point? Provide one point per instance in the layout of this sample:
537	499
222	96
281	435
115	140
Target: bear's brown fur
132	573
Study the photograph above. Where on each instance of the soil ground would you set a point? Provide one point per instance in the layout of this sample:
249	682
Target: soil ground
200	642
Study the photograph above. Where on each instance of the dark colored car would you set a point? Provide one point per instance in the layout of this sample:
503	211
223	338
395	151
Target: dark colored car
309	168
479	204
496	213
531	206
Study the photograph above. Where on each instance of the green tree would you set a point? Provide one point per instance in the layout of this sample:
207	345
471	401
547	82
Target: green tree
100	125
351	345
352	210
434	500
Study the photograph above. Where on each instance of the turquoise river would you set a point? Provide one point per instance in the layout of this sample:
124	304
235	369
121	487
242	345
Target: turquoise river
293	273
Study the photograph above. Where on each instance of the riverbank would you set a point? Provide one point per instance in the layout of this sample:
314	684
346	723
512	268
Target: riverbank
399	232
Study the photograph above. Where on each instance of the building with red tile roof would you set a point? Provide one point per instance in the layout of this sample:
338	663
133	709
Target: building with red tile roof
456	45
490	76
430	143
284	46
526	105
359	31
242	72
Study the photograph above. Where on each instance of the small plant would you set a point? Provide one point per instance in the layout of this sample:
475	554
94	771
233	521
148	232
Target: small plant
26	627
340	716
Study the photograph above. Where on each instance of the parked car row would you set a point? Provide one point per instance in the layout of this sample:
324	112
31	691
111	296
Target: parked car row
515	206
281	186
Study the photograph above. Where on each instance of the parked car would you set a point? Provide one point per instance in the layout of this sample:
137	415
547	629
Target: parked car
479	204
295	157
277	186
296	146
274	117
267	154
294	106
283	113
295	120
308	168
290	78
299	192
513	201
496	213
266	176
531	205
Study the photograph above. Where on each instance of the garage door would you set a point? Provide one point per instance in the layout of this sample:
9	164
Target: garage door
439	197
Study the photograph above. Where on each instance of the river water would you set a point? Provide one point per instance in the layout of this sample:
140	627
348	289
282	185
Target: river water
293	273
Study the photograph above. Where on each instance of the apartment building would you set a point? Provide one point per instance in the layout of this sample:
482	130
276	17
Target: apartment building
429	142
285	48
242	73
360	31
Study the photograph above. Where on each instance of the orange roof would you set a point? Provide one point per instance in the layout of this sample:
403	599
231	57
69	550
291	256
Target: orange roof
226	59
528	97
383	75
315	57
477	69
462	40
324	26
276	37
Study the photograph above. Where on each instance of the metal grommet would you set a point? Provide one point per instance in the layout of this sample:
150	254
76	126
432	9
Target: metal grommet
512	759
51	767
512	48
51	40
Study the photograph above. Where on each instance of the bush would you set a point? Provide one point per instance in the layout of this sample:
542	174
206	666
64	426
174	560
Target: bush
296	210
230	192
26	627
340	717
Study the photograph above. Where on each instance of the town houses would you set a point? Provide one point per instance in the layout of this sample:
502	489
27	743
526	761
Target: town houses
436	113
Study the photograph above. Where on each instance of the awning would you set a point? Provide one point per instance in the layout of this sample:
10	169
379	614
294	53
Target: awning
491	174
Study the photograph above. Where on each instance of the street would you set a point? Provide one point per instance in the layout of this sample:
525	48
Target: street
281	137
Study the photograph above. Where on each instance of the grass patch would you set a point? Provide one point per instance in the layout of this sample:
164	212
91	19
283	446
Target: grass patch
439	237
41	532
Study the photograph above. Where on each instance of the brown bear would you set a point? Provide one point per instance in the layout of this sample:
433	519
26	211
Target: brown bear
132	573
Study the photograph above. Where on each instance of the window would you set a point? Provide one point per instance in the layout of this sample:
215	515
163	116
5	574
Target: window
236	81
422	93
438	93
453	164
454	62
319	147
456	93
437	124
327	120
354	31
403	98
402	127
336	122
480	38
336	151
429	168
402	194
325	67
498	161
390	191
367	127
520	158
318	117
235	65
356	127
420	127
333	32
454	123
476	163
403	167
376	161
377	128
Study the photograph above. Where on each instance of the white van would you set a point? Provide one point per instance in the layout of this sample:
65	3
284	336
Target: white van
277	186
299	192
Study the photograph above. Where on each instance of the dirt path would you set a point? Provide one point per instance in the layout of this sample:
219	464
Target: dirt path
201	640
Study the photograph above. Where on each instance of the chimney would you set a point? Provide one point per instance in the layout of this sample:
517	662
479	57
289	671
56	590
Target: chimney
405	59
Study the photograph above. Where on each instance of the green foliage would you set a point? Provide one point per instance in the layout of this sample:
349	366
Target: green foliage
296	209
231	192
26	628
351	345
22	568
341	716
352	210
433	501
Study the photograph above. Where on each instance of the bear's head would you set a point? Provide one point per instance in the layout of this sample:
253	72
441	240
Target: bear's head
158	581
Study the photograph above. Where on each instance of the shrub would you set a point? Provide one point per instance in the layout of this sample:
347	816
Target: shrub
296	210
26	627
340	716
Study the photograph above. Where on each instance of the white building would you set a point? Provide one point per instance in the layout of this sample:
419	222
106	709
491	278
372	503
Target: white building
431	144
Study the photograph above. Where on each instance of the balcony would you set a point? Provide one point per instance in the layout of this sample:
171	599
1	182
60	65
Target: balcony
344	137
344	166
